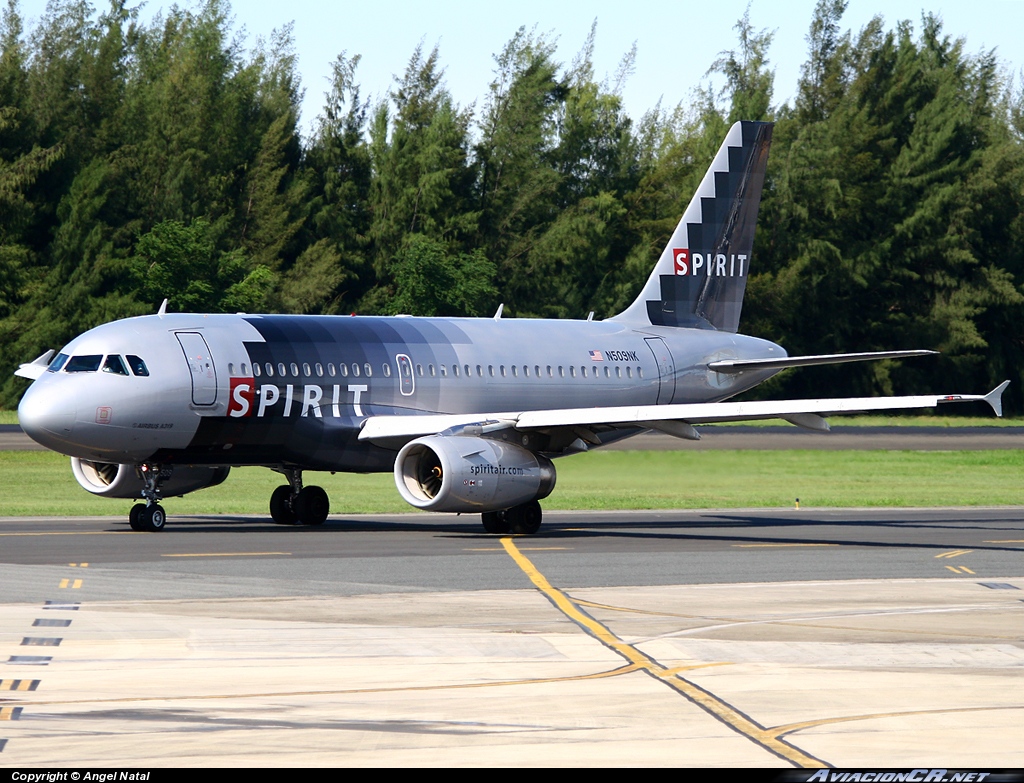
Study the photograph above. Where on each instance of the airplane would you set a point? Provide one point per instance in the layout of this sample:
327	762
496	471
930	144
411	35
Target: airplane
468	413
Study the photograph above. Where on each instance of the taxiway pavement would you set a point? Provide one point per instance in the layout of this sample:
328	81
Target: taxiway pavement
736	637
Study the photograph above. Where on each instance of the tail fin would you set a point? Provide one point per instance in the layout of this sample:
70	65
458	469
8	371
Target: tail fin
702	273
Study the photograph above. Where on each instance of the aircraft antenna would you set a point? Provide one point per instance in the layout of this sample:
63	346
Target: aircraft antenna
497	315
163	309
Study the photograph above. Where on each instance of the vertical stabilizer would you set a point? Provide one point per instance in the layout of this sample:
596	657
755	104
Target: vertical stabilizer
701	276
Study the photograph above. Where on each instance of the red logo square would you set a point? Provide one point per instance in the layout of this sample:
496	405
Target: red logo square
681	258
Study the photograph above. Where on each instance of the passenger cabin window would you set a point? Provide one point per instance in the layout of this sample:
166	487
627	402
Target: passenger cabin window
330	369
367	369
305	369
386	368
57	362
319	370
115	365
256	370
90	363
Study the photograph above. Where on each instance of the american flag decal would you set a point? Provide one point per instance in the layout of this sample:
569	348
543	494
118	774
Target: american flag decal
596	356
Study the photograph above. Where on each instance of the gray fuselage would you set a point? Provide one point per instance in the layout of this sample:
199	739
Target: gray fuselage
283	390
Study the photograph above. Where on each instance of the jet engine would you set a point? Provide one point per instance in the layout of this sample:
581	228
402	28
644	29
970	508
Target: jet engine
464	473
122	481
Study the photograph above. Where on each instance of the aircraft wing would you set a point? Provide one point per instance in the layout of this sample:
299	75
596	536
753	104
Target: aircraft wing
668	418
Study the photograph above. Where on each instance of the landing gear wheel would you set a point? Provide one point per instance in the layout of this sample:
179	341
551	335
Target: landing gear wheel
495	522
153	518
281	506
312	506
135	517
525	519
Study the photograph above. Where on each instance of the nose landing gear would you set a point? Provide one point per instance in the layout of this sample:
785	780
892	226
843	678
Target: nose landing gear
151	517
292	504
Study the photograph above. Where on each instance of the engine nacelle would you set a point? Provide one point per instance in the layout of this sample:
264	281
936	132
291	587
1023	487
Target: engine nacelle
464	473
122	481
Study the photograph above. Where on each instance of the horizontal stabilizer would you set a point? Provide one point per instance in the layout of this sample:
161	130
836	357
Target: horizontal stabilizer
36	367
739	365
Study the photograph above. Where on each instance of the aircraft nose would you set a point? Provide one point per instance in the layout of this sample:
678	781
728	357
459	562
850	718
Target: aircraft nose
47	415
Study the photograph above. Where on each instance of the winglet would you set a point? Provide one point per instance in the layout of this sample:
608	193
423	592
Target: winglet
995	398
163	309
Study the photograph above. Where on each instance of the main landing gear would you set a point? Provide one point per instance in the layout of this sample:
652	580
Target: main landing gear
522	520
151	517
293	504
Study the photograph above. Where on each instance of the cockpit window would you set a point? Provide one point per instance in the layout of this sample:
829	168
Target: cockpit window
115	364
138	366
58	362
90	363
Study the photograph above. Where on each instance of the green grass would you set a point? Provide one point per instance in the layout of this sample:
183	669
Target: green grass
35	483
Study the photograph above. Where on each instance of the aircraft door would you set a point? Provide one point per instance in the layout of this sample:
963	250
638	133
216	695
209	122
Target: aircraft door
666	369
407	381
200	364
